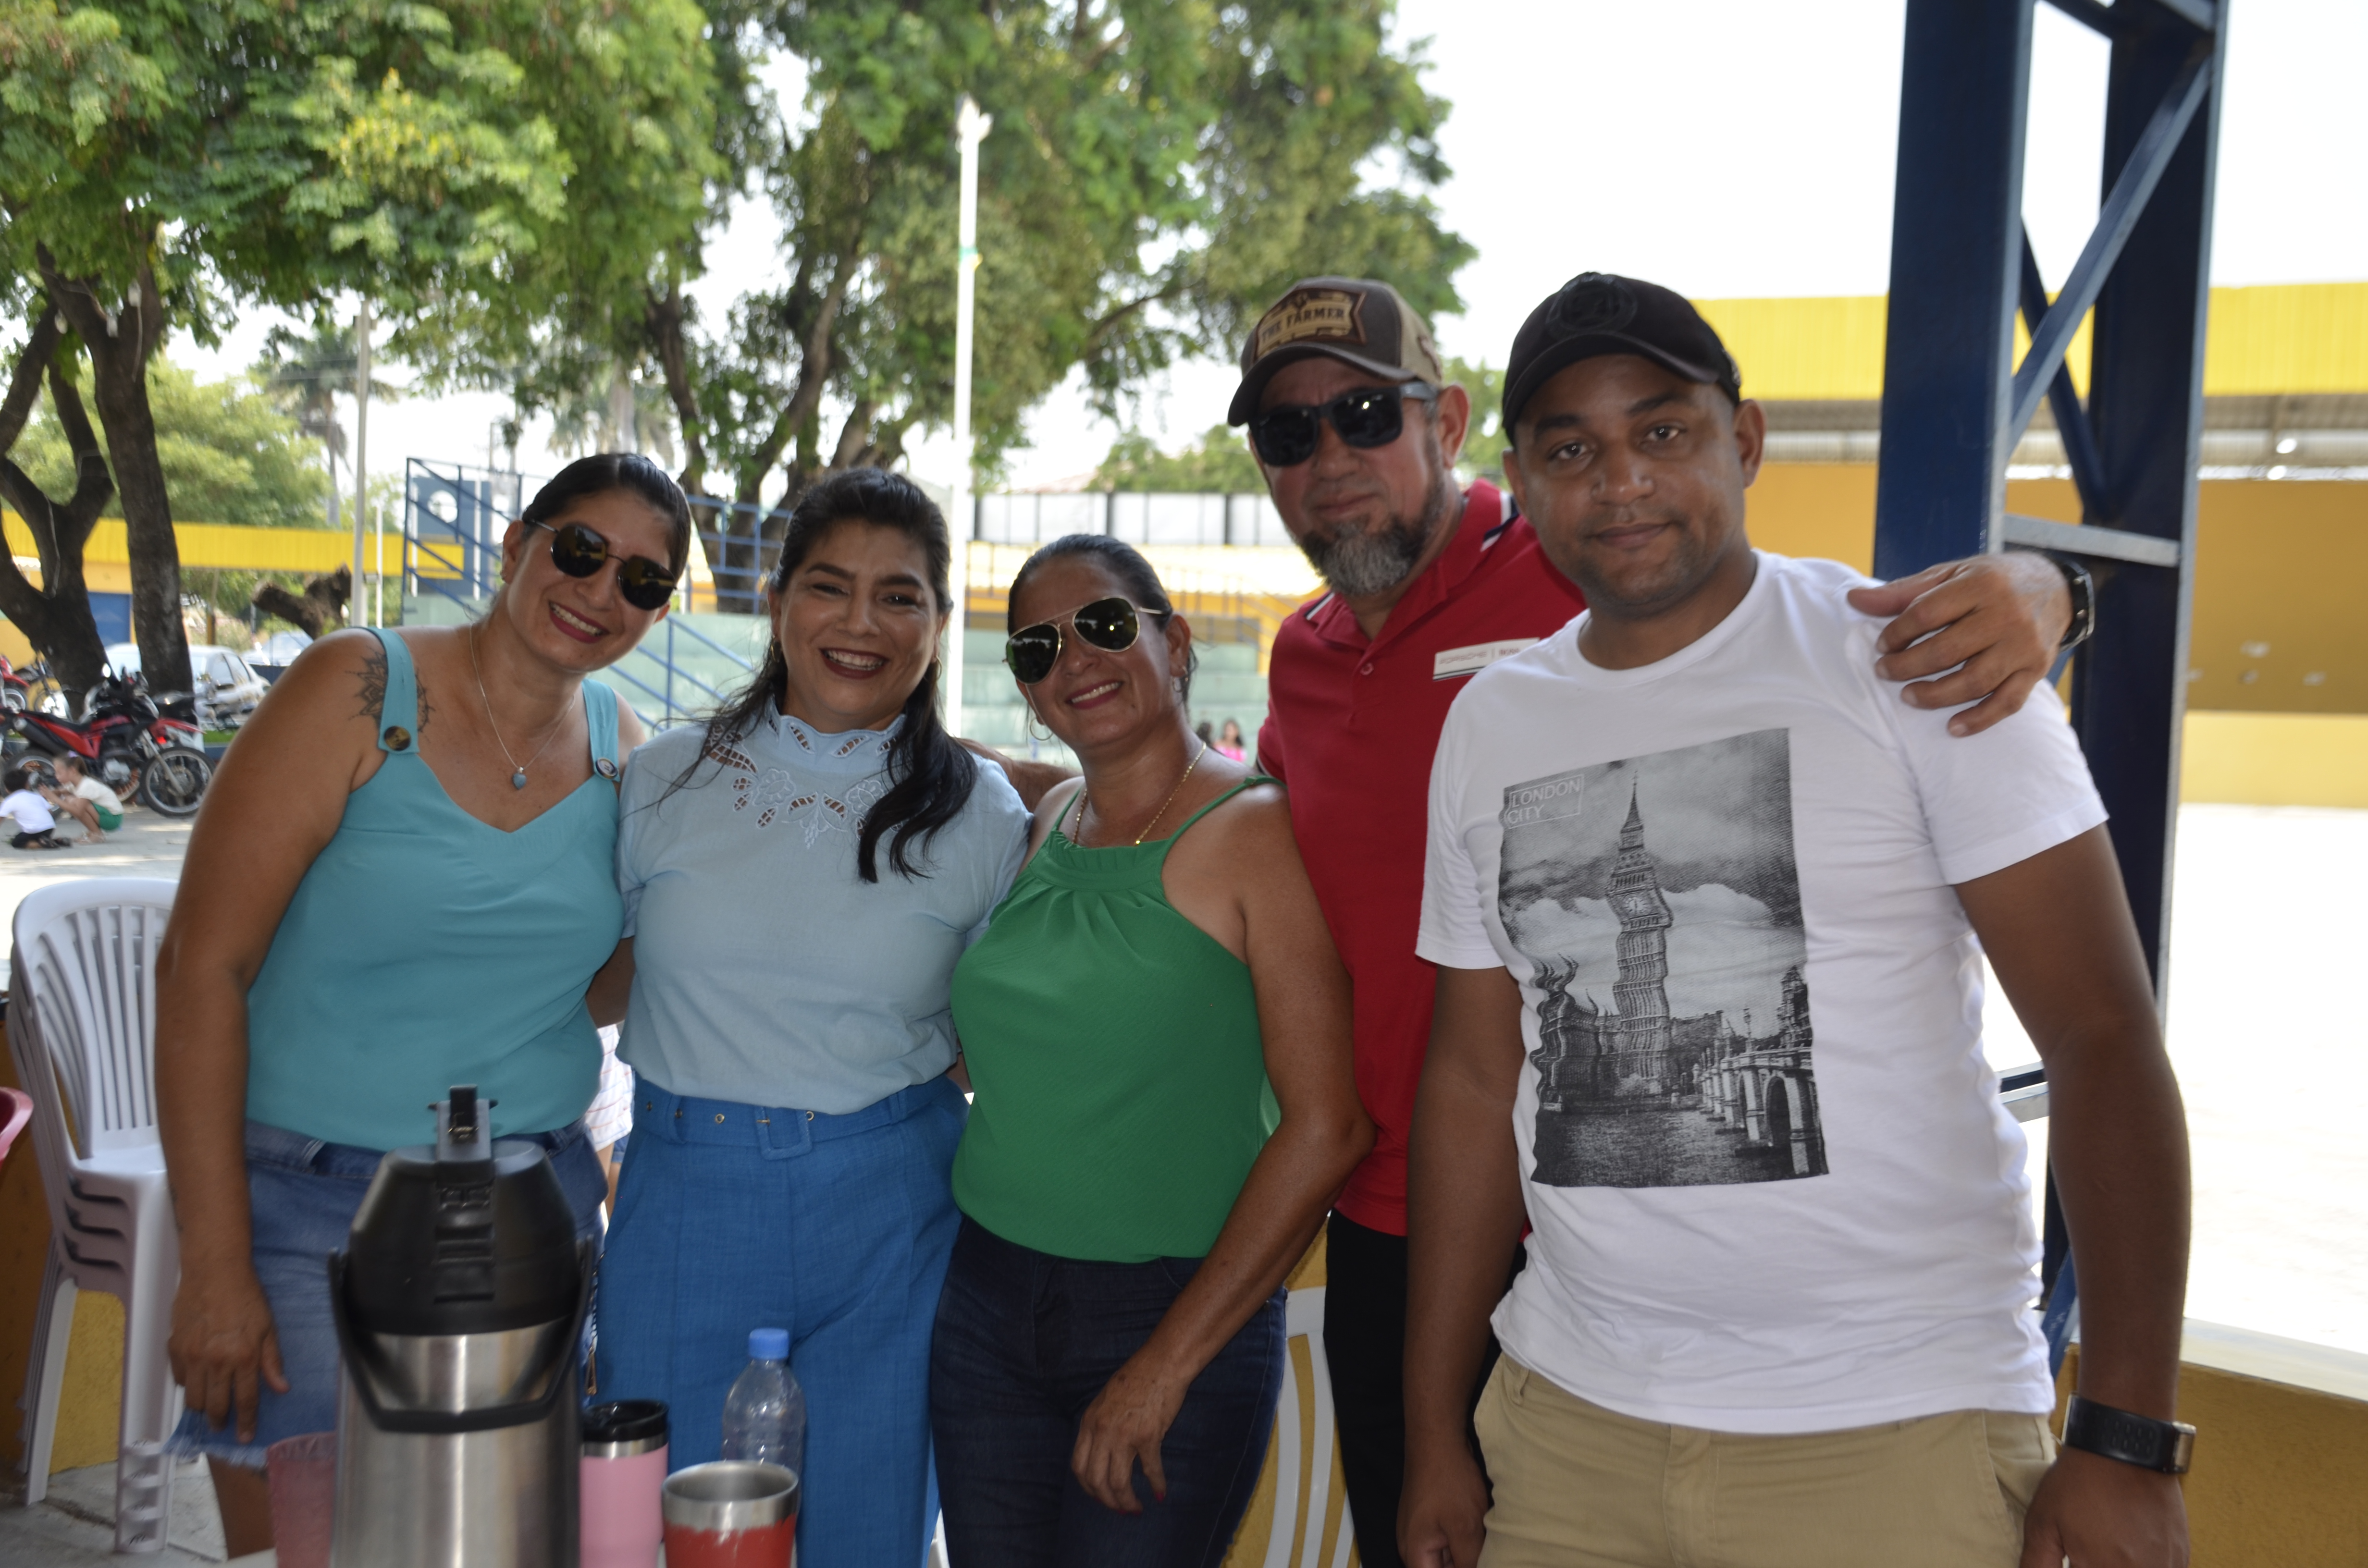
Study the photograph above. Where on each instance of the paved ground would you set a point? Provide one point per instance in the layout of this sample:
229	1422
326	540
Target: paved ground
145	845
74	1527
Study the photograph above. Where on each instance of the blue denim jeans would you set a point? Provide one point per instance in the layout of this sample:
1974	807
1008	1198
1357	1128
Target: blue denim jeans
1025	1341
733	1217
303	1194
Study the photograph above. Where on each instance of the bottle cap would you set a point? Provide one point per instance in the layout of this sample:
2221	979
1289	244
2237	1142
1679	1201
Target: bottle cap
769	1344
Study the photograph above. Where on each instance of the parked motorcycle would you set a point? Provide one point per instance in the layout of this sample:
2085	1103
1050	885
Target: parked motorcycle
16	691
129	741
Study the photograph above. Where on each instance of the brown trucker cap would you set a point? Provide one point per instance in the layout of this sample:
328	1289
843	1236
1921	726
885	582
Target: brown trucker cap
1599	312
1353	319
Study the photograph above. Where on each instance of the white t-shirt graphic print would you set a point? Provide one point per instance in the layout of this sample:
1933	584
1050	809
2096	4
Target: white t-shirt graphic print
1771	1186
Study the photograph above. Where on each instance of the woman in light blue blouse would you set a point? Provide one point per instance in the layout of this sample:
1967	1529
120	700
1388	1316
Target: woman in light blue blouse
799	877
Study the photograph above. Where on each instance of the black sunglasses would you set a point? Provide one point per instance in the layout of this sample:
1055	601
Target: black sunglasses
579	551
1369	416
1111	625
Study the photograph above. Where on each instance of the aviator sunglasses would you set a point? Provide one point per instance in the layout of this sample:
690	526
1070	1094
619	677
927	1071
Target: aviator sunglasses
579	551
1111	625
1369	416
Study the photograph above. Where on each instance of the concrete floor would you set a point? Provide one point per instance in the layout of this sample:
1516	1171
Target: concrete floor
145	845
74	1527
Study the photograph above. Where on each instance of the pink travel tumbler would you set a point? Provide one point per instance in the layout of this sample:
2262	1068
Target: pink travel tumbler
624	1471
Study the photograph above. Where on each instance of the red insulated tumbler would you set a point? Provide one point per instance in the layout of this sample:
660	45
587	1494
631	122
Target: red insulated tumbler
730	1513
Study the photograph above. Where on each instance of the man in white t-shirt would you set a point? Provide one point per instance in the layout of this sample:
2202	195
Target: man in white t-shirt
1710	903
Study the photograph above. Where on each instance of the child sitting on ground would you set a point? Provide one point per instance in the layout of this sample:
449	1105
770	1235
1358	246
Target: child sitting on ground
85	799
32	813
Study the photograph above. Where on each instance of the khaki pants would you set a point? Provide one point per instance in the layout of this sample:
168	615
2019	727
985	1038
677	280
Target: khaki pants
1581	1487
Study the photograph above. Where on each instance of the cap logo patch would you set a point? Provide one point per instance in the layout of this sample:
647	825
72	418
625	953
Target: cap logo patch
1592	303
1334	314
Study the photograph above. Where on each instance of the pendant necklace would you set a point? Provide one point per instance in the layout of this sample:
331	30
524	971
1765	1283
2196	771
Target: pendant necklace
518	769
1075	832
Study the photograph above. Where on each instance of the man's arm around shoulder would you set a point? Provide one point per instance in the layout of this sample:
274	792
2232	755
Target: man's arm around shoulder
1987	627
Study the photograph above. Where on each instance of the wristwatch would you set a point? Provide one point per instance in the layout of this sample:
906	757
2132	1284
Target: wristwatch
2083	589
2141	1440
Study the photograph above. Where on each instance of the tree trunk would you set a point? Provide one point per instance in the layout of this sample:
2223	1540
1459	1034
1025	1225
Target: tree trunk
119	342
55	617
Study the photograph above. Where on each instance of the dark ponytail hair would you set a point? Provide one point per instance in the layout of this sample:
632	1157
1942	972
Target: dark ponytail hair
929	776
631	472
1126	563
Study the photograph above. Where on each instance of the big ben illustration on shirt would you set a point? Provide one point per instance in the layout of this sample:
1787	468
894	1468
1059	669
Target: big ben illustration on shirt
1658	898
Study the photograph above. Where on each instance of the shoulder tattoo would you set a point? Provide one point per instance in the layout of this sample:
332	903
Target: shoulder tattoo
374	683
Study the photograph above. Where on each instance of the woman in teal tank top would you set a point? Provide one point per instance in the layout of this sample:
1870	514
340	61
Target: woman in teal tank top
404	879
1157	1029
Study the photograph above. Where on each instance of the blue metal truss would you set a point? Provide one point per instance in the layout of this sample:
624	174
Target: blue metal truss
1954	403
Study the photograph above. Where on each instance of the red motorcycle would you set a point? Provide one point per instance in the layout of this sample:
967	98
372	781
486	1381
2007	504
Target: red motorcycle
16	691
128	742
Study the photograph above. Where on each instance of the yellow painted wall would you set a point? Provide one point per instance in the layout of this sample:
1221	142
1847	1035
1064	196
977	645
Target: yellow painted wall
91	1400
2276	759
2287	338
2276	1478
218	544
2280	574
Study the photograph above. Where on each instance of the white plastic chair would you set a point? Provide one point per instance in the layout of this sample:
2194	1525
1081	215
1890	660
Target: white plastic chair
1300	1520
82	1029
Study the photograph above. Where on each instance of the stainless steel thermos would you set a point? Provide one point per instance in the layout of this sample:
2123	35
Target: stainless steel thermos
459	1300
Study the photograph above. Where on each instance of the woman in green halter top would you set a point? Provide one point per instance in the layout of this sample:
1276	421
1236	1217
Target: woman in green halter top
1157	1029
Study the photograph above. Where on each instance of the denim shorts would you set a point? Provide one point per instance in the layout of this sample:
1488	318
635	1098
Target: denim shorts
303	1194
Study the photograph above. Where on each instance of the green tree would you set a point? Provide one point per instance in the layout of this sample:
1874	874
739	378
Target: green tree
1159	170
491	163
305	372
56	615
229	455
1219	461
1484	443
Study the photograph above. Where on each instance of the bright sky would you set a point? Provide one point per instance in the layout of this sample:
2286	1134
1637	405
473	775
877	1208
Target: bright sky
1723	147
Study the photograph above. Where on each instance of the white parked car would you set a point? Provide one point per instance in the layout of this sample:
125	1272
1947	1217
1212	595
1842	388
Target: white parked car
226	682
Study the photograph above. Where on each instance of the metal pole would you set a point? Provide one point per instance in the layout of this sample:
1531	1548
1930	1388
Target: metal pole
970	128
354	615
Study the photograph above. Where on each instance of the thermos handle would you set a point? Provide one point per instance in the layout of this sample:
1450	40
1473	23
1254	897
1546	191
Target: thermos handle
439	1423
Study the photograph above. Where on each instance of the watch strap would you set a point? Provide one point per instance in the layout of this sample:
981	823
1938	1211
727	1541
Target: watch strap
2141	1440
2082	586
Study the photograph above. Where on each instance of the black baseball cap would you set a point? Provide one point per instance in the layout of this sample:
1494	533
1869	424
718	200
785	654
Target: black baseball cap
1599	312
1354	320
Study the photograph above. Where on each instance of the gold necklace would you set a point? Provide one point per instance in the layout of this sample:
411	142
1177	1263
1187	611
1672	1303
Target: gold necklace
518	769
1076	831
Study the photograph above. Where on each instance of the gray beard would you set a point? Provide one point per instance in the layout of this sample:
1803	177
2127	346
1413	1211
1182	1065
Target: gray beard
1360	565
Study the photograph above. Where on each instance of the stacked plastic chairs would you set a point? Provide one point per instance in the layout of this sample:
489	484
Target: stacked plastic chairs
81	1028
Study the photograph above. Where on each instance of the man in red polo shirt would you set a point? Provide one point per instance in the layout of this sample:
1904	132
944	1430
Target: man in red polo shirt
1428	586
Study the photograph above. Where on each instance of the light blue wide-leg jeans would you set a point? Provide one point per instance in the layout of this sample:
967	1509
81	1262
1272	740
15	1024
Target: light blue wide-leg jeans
837	1227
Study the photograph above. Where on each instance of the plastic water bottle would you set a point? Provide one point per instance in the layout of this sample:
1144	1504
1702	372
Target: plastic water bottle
764	1414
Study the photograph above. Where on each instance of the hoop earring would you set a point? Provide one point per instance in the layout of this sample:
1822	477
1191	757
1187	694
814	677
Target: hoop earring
1035	721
